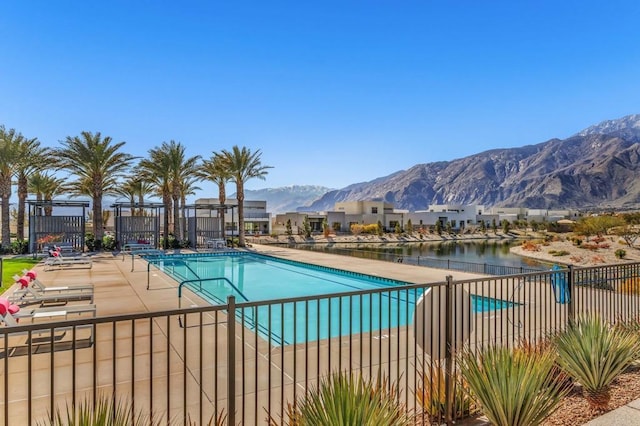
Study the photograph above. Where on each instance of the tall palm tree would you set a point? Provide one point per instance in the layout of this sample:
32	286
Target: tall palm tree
187	187
97	163
156	170
46	187
135	189
182	169
243	165
10	142
215	170
33	158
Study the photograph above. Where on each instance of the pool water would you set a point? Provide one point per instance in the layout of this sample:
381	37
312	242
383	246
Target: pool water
252	277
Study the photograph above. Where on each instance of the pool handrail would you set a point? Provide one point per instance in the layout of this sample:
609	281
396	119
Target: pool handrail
184	262
200	280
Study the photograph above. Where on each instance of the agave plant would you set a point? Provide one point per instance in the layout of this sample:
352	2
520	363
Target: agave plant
106	412
594	354
513	388
342	399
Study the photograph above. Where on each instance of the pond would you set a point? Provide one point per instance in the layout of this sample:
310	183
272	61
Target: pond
471	256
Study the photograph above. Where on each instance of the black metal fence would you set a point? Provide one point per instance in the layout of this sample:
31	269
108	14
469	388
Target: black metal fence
250	360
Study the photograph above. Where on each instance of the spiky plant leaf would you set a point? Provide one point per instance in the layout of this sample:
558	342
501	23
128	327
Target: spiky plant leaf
594	354
107	412
513	388
342	399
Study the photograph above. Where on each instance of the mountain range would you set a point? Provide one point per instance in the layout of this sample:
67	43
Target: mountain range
597	167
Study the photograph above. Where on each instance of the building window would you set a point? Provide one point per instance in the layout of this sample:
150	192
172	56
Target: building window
374	210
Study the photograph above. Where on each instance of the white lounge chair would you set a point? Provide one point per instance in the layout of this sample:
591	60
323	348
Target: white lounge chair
25	294
32	276
10	314
59	260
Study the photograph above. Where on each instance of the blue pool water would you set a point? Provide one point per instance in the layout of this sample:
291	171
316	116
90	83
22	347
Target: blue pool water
254	277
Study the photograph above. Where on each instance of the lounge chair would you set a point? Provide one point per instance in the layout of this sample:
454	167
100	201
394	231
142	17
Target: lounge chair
25	294
32	276
10	314
59	260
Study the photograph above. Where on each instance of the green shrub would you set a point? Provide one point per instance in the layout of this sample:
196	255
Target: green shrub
90	241
620	253
342	399
514	388
595	354
108	243
20	247
558	252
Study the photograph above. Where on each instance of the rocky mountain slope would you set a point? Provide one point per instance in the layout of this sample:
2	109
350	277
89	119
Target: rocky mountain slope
597	167
288	198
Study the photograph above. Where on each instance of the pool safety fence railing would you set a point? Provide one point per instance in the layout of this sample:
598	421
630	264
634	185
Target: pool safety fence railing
418	260
252	361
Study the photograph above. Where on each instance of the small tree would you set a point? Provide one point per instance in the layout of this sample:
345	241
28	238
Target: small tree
306	227
483	226
408	228
325	228
288	226
448	227
380	229
494	226
398	228
438	227
506	226
534	225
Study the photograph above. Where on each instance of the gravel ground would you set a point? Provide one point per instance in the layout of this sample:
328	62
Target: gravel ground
575	410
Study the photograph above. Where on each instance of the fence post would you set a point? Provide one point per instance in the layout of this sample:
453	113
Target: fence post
231	360
448	379
571	288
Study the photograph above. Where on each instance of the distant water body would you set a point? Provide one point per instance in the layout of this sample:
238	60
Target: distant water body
489	252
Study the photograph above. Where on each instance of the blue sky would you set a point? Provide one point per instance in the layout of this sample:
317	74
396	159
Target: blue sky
333	93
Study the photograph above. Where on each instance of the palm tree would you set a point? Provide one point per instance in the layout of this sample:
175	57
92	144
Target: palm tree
45	187
182	169
187	187
10	142
33	158
135	189
97	163
243	165
156	171
215	170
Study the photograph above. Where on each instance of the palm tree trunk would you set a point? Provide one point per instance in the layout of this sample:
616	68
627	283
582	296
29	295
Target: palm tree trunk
183	223
5	191
22	197
166	199
222	198
97	220
176	218
240	191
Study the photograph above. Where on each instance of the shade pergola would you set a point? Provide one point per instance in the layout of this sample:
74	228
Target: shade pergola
209	224
134	229
46	229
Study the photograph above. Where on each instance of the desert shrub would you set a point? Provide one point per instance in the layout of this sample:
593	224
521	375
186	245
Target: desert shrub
342	399
589	246
431	389
620	253
356	229
576	259
595	354
577	242
371	228
598	259
558	252
630	286
530	246
514	388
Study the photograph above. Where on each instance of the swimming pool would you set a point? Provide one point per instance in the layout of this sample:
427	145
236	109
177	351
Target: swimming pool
254	277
